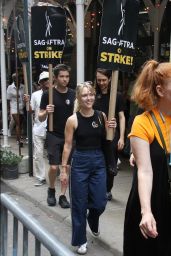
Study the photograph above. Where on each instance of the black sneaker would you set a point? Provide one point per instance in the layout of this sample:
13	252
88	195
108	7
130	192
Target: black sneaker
51	200
63	202
94	227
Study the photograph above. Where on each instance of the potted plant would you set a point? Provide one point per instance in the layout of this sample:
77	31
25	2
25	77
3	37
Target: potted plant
9	164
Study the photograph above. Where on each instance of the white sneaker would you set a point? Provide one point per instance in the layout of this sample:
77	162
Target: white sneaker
96	233
40	183
82	249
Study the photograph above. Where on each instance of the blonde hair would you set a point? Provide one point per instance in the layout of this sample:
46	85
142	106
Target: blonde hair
153	73
79	89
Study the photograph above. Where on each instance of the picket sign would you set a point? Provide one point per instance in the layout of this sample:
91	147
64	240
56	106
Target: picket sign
48	40
117	44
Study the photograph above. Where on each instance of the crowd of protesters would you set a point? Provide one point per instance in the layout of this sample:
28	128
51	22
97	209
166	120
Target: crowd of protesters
74	147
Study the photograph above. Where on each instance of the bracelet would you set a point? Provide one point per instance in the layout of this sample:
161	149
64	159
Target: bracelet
64	165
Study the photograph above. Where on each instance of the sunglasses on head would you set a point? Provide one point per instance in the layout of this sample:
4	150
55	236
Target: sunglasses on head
85	83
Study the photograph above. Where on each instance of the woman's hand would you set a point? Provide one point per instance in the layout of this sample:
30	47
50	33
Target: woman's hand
148	226
132	160
112	123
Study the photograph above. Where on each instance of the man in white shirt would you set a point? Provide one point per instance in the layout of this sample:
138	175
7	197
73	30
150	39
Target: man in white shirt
39	129
16	106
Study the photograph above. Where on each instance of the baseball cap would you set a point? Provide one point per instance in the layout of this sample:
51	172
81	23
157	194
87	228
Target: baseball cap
43	75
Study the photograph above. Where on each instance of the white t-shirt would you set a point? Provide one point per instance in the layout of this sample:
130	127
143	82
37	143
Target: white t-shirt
12	96
39	128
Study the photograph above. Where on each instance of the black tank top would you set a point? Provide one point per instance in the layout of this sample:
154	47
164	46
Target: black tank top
89	132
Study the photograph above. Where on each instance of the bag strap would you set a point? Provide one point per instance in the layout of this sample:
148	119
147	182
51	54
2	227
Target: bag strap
101	118
163	142
159	130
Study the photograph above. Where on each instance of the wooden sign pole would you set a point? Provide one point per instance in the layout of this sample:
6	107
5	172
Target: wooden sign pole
25	83
50	117
112	102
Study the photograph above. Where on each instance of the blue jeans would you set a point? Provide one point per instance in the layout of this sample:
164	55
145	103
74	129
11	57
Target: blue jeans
88	191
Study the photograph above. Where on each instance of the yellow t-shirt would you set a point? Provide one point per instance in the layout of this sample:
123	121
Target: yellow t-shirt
143	127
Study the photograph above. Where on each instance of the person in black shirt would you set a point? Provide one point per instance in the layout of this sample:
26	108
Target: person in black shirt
88	169
62	108
103	79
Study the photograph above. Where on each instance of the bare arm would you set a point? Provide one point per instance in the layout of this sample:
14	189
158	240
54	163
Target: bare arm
26	98
122	130
69	132
141	151
43	113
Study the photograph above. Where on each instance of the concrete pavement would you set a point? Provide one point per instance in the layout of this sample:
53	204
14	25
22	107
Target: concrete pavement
111	222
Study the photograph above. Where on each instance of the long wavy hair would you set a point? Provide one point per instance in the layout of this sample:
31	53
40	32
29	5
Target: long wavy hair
152	74
79	90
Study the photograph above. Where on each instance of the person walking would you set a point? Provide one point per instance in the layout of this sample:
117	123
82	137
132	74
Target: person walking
16	105
39	129
62	108
147	225
88	170
103	79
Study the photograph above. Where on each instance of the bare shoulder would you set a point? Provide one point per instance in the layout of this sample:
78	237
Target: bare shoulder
72	121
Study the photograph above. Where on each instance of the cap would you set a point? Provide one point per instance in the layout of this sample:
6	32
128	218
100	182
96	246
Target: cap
43	75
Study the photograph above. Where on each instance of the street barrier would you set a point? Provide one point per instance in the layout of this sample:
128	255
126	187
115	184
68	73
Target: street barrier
41	235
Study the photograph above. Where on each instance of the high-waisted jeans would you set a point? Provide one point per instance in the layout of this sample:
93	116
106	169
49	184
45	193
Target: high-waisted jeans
88	191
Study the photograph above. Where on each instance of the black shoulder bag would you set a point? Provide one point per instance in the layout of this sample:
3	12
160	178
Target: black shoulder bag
164	146
107	148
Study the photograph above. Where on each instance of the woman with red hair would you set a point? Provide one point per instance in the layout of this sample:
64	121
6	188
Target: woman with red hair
147	228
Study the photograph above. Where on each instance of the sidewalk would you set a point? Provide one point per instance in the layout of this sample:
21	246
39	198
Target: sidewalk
111	222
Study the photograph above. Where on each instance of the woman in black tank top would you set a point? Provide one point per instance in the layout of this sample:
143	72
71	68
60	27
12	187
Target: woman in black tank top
88	170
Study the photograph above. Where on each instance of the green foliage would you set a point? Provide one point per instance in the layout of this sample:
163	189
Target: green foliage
9	158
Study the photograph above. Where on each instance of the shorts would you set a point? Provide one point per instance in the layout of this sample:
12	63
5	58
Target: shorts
55	147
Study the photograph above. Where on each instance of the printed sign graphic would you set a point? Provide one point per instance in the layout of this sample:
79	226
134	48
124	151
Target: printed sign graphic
118	34
48	34
20	39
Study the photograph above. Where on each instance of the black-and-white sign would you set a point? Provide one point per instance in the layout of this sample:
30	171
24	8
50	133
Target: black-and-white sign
118	34
48	33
